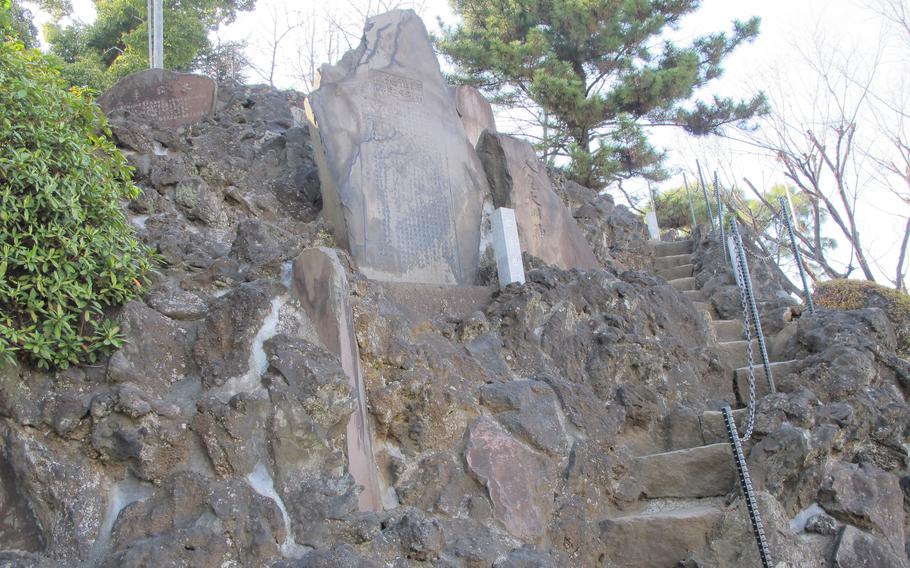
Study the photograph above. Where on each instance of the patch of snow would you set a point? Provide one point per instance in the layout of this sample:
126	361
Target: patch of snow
798	523
139	220
123	493
262	483
250	381
287	274
158	149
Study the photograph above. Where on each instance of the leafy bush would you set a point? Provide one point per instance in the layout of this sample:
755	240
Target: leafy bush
66	251
859	294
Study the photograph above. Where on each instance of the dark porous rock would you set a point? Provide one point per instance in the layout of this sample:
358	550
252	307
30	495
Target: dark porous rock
530	557
417	535
65	492
201	202
530	411
339	556
439	484
472	544
857	549
821	524
324	509
866	497
191	521
131	426
161	362
168	299
24	559
517	478
263	246
225	339
311	403
233	433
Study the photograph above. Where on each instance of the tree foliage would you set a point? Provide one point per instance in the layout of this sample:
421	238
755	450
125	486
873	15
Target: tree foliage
601	71
67	253
116	43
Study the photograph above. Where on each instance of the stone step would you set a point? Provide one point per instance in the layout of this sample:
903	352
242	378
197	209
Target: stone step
779	370
695	295
665	262
728	330
681	271
713	429
658	540
733	353
706	307
672	248
703	471
684	284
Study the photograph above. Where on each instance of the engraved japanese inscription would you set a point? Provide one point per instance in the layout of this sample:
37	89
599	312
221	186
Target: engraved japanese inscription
402	186
164	98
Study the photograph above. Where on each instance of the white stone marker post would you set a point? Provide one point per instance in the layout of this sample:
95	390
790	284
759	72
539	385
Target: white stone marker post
507	247
653	229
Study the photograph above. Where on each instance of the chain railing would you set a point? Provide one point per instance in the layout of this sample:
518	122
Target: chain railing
788	221
745	483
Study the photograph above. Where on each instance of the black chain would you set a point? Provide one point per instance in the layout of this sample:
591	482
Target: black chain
745	483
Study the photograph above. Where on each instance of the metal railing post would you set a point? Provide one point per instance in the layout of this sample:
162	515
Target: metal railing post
788	221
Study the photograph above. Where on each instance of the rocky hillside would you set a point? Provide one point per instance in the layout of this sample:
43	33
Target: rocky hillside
568	421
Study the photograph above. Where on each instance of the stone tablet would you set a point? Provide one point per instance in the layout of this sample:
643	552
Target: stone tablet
402	187
508	248
321	286
520	182
160	97
475	112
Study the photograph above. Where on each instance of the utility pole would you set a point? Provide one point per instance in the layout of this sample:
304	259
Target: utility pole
158	33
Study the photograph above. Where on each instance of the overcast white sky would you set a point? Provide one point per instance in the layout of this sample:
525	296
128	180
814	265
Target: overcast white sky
772	63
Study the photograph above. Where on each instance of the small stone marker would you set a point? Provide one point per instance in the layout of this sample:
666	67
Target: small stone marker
475	112
519	181
653	229
321	286
507	247
164	98
402	186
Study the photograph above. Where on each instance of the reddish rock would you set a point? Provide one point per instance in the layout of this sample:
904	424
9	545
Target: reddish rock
516	477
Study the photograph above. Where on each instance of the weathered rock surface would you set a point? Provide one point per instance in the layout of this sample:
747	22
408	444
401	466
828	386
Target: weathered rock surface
168	98
519	181
510	426
475	112
401	185
516	477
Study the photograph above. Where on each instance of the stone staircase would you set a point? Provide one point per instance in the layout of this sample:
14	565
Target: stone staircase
682	491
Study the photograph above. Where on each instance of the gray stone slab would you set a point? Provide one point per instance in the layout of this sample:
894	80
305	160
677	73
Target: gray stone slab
475	112
520	182
160	97
653	228
423	302
321	286
402	187
507	247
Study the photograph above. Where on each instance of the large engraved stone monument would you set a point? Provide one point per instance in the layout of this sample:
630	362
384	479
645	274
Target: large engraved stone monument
520	182
166	98
402	187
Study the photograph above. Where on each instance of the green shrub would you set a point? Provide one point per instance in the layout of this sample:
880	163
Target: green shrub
859	294
66	251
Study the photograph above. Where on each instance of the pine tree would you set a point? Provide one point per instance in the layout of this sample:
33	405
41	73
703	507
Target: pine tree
600	72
